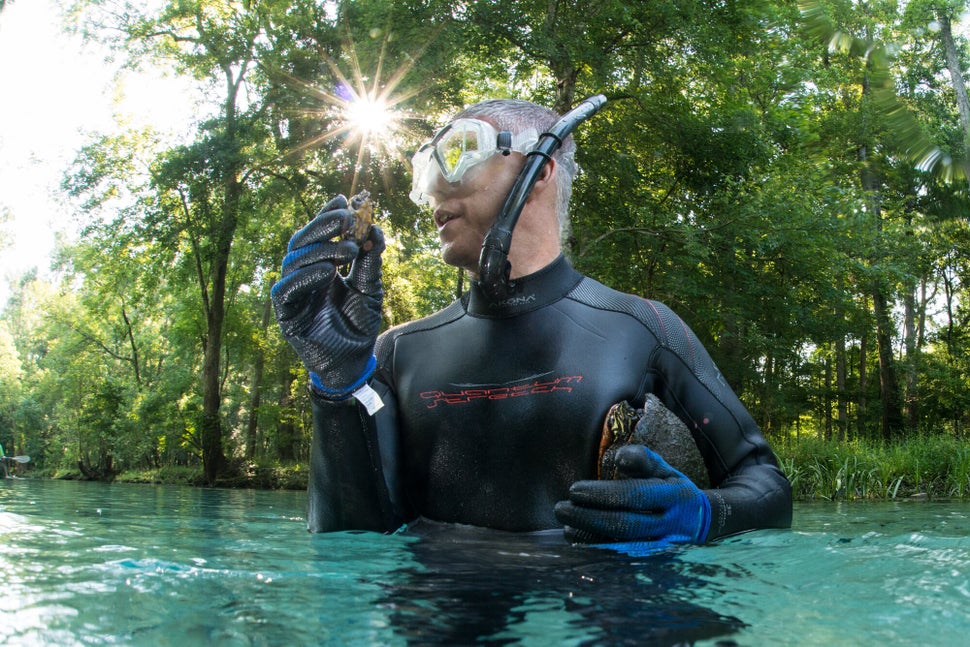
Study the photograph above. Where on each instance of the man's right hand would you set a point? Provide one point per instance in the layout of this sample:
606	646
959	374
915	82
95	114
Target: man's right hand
331	321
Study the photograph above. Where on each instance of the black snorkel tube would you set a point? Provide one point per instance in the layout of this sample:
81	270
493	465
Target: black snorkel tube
494	268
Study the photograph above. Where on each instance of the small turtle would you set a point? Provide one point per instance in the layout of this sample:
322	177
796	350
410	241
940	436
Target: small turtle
358	226
656	427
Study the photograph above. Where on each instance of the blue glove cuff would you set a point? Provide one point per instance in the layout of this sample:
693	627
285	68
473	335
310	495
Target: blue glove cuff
704	523
347	392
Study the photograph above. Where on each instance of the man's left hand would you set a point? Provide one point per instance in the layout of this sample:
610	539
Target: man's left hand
648	507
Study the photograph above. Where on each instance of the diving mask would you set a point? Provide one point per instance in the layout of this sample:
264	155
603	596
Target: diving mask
458	147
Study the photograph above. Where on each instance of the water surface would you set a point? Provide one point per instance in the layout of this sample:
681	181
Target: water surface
96	564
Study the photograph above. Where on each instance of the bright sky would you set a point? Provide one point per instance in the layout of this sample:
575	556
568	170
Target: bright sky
54	90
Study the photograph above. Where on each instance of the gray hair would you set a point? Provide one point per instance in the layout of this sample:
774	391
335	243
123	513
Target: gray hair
516	115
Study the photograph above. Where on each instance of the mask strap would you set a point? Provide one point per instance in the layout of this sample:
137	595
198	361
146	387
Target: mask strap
504	142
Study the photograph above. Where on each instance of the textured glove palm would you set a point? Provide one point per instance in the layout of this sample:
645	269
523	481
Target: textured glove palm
331	321
651	506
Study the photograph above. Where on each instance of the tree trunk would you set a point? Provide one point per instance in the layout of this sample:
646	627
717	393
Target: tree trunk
911	392
769	388
566	74
840	379
956	78
951	287
255	391
863	408
827	400
892	416
224	231
213	452
130	334
730	350
286	430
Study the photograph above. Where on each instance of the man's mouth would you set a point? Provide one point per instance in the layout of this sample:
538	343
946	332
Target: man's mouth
441	218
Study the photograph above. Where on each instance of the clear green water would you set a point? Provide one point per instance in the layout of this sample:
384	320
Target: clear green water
94	564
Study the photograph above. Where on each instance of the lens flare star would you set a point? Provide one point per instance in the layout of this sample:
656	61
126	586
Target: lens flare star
363	111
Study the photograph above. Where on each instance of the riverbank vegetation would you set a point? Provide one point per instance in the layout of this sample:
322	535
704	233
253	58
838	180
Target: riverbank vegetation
791	178
925	467
930	467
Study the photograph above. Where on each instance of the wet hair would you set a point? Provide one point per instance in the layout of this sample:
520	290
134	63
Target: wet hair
516	115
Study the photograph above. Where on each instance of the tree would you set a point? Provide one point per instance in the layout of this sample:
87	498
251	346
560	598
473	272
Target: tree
10	386
752	172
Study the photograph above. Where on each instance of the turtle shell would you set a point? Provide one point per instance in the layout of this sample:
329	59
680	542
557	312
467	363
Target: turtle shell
618	427
359	224
656	427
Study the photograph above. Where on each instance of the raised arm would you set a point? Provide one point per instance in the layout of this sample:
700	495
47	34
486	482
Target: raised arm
332	322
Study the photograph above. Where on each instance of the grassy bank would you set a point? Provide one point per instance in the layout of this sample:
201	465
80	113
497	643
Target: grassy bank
287	476
937	467
928	466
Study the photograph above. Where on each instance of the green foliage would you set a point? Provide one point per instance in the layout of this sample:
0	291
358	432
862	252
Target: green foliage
934	465
755	168
264	475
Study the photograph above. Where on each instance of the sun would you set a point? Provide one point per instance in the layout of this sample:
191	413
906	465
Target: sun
365	110
370	117
370	120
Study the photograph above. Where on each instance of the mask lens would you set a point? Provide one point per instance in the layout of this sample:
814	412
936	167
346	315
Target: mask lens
423	171
461	147
451	150
457	148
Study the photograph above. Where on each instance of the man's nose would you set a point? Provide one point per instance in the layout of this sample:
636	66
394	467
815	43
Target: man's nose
439	188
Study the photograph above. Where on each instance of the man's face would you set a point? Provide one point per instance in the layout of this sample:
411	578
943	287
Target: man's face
464	174
465	211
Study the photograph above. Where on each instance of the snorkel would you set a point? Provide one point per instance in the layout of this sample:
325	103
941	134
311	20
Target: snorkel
494	266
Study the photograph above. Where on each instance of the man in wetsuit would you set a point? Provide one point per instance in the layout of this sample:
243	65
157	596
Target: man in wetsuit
490	411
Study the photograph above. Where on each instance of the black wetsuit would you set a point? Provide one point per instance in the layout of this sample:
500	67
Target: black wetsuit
492	410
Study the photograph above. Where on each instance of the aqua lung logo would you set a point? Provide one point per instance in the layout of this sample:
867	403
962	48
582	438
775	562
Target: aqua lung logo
538	387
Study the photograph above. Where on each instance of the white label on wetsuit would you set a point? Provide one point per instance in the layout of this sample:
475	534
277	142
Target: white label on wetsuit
369	398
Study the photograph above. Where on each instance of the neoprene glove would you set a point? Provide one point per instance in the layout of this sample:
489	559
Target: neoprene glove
332	321
648	507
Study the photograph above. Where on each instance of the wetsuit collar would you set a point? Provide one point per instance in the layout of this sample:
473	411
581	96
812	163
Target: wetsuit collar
528	293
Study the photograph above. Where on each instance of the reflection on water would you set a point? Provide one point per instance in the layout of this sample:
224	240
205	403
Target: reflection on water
504	588
85	563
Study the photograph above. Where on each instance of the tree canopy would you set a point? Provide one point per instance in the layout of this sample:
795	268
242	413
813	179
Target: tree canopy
791	178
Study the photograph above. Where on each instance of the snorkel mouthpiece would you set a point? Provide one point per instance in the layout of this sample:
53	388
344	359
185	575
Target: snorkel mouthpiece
494	268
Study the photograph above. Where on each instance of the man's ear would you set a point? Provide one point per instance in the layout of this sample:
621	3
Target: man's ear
546	180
